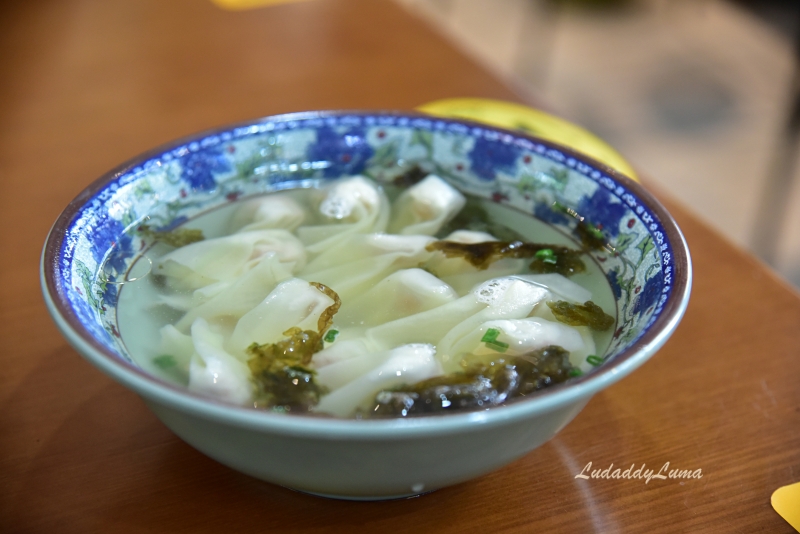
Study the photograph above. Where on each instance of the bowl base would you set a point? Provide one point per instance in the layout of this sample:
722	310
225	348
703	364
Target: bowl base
364	498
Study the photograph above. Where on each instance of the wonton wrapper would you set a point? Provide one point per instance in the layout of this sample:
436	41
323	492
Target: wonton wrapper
178	345
224	259
277	210
402	293
241	296
501	298
340	350
577	357
293	302
213	371
364	260
425	207
460	274
352	206
521	335
407	364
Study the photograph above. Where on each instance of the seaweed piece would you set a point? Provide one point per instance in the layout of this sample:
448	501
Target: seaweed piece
566	262
540	369
473	217
586	314
591	236
280	370
412	176
462	392
177	238
296	349
479	387
547	258
326	317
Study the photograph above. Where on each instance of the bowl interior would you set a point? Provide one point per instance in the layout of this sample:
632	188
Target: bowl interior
95	242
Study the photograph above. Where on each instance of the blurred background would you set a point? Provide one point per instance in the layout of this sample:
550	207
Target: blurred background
700	95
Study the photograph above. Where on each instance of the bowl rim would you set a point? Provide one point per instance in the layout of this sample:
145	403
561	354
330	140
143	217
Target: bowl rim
181	399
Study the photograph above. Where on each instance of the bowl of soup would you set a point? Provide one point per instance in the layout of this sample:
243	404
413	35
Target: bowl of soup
365	305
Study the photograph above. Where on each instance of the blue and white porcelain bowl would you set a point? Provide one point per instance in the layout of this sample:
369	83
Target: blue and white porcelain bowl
92	245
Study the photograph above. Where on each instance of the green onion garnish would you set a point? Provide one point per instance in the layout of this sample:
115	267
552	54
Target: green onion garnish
490	335
165	361
547	256
330	337
490	338
594	360
499	346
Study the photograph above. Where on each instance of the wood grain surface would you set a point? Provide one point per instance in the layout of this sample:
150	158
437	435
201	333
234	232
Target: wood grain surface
87	84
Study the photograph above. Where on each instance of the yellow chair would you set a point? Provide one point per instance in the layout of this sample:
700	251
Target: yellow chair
532	121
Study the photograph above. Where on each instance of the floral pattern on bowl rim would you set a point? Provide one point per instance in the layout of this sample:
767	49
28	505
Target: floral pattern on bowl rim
171	185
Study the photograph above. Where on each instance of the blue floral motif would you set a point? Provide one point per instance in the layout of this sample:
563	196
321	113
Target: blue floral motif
118	256
487	157
613	280
111	244
346	152
648	296
545	212
108	236
109	295
602	211
198	168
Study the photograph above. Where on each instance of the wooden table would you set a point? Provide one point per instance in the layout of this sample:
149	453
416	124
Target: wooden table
87	84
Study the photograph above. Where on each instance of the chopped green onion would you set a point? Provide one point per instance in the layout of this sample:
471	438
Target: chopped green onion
594	360
330	337
547	256
490	335
490	338
575	372
499	346
165	361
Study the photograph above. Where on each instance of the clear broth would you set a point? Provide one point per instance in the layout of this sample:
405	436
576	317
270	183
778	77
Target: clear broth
139	321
